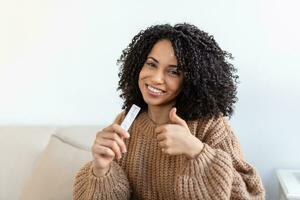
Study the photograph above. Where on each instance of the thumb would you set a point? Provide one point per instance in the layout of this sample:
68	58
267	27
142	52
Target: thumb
175	118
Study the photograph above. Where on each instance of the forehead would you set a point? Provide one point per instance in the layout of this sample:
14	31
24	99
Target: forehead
163	52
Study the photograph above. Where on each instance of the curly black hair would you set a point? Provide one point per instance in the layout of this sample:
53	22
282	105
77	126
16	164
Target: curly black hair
209	84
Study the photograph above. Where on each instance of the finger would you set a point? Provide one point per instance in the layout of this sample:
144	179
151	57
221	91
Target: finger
114	128
119	130
168	151
162	144
160	129
161	137
112	144
108	128
118	139
164	150
175	118
99	133
102	150
104	130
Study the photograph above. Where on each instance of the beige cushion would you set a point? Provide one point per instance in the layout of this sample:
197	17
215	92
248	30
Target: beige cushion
20	149
79	136
53	177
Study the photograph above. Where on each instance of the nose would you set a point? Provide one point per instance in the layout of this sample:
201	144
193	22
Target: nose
158	77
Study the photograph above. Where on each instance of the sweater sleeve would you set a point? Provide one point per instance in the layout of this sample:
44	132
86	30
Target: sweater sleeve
113	186
219	171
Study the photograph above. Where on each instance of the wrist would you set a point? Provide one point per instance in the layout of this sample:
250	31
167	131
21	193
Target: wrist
100	172
195	149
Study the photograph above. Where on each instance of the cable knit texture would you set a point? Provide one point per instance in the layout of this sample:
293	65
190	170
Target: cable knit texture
144	172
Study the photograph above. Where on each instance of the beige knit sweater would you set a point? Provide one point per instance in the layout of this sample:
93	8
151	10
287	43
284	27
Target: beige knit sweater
145	172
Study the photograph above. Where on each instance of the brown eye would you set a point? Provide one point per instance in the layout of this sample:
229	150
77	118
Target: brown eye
174	72
150	64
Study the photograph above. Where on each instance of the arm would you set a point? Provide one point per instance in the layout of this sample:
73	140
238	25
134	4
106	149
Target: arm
219	171
113	185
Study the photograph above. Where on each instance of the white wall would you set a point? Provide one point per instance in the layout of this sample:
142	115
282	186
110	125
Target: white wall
58	65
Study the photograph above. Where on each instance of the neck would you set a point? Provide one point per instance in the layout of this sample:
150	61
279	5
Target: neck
159	114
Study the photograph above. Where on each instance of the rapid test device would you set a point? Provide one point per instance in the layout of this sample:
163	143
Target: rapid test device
129	118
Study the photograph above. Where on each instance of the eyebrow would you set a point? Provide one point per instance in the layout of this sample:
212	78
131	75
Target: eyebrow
158	62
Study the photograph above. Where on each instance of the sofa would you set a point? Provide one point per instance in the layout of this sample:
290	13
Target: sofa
40	162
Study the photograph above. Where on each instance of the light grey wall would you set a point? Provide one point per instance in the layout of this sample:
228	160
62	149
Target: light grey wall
58	65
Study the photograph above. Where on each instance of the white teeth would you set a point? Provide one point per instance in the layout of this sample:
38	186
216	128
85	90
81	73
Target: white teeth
152	89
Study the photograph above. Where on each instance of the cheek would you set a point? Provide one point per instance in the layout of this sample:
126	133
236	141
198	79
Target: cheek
175	85
140	80
142	73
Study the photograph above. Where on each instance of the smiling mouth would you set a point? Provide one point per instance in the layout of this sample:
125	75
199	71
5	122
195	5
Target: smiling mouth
155	90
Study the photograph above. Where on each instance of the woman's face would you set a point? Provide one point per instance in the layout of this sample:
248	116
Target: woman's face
160	81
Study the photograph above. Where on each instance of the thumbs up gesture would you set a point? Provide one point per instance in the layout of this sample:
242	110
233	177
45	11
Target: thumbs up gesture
176	138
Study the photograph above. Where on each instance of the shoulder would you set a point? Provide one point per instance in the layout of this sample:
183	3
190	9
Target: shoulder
207	122
210	128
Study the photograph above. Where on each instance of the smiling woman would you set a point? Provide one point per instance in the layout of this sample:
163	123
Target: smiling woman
160	81
181	145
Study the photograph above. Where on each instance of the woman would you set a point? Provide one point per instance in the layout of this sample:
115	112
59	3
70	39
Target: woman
180	146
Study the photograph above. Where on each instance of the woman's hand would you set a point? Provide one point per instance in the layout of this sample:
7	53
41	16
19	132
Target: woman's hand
109	144
176	138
